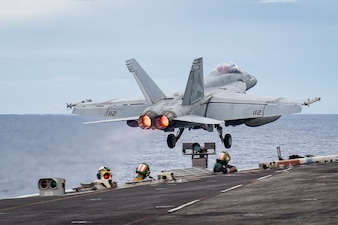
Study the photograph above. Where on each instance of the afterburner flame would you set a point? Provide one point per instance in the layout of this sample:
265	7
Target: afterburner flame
144	122
162	122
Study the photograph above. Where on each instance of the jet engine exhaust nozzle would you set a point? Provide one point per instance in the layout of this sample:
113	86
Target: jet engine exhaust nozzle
144	122
147	120
161	122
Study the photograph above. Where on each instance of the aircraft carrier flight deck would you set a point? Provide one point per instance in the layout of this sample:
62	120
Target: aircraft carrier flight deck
293	195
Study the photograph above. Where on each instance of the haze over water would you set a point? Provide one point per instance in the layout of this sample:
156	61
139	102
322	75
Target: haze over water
36	146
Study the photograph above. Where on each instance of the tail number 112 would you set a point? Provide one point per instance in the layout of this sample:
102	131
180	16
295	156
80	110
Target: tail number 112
257	112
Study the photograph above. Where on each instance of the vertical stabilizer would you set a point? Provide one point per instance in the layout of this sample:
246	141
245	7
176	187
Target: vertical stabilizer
194	90
150	90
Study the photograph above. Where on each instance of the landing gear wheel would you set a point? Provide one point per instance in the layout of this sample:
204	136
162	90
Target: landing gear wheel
227	141
171	141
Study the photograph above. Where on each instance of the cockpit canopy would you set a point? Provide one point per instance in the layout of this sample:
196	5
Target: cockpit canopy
225	68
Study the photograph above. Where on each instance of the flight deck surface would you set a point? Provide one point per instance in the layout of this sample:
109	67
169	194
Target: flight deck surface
300	195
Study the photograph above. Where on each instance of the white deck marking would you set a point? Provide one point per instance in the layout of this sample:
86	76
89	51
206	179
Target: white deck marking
262	178
182	206
232	188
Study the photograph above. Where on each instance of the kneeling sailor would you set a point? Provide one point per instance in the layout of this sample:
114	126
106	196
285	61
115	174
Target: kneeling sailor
222	163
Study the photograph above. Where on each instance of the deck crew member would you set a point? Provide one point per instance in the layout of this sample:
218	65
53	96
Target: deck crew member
143	171
104	173
222	163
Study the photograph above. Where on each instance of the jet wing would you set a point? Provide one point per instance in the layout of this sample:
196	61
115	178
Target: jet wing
121	109
228	105
198	119
112	120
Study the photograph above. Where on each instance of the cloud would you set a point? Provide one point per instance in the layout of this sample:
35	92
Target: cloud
28	10
276	1
23	9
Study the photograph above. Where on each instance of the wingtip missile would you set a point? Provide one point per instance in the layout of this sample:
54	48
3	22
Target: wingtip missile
71	105
310	101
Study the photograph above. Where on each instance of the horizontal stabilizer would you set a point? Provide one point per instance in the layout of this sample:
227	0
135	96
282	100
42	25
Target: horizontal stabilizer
112	120
198	119
150	90
194	90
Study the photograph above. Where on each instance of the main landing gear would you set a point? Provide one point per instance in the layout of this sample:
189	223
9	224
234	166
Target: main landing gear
226	140
172	139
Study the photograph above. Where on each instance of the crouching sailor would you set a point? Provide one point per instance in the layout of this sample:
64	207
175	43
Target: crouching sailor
222	163
104	178
143	171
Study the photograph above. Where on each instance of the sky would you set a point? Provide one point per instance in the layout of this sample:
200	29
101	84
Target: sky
54	52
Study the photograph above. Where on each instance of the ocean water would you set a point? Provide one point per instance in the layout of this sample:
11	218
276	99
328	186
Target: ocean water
36	146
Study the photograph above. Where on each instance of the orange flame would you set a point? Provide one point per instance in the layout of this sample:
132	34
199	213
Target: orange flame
162	122
144	122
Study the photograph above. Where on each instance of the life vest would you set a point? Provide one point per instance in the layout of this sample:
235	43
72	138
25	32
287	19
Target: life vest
218	167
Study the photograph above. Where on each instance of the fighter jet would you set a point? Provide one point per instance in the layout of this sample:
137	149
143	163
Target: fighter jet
206	104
